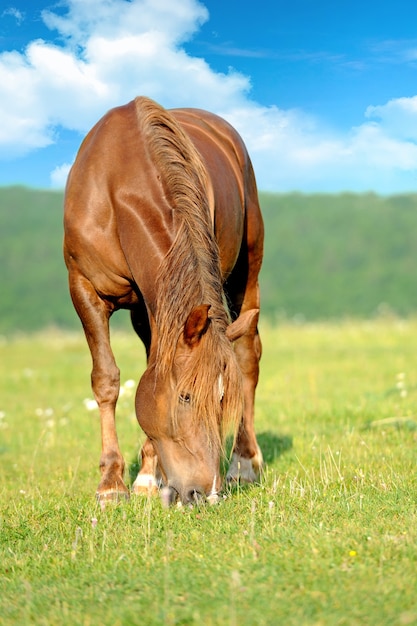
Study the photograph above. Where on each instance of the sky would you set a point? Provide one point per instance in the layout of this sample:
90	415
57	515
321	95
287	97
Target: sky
323	92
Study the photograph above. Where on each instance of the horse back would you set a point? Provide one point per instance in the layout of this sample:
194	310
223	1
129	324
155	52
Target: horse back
233	190
238	220
119	219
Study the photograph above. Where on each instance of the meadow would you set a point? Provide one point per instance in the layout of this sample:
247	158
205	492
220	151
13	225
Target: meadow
328	536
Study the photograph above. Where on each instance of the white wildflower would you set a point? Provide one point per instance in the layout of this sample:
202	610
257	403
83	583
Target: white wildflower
90	405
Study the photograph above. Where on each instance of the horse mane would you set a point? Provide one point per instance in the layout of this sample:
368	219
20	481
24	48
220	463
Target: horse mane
190	275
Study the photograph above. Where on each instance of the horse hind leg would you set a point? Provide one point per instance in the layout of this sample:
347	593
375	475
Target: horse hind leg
244	294
246	463
105	380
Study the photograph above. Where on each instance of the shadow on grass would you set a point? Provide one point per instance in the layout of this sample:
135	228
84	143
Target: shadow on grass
273	446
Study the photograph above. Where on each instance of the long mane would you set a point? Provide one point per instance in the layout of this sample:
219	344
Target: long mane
190	274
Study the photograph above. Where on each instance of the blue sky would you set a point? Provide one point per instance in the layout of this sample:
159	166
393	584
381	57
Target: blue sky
323	92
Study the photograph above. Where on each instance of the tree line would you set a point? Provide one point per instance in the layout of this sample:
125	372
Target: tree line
326	256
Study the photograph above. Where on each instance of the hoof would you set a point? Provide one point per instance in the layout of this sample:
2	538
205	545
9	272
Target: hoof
145	485
112	495
245	470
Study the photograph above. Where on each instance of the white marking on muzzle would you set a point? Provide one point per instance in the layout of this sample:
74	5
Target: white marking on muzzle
221	387
213	496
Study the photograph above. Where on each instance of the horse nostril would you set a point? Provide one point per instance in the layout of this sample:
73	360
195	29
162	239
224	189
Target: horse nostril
194	496
169	496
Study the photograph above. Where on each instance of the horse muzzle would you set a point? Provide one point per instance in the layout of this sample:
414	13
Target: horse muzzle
188	496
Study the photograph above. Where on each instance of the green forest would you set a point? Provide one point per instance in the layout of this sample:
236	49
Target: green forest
326	257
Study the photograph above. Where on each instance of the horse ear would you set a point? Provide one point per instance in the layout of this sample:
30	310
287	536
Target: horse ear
239	327
196	325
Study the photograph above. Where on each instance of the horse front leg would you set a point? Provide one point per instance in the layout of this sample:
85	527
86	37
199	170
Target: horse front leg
105	380
148	479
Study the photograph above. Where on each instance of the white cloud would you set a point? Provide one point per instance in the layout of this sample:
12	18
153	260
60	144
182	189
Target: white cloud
114	50
115	18
291	150
397	117
13	12
59	175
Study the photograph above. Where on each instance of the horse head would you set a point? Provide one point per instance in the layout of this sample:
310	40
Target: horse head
186	408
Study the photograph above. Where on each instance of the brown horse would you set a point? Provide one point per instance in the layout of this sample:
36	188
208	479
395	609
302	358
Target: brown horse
162	218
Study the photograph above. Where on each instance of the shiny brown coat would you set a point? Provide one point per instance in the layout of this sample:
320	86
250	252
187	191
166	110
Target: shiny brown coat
162	218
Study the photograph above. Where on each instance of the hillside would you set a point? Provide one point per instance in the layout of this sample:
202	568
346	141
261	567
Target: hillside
34	291
326	256
330	256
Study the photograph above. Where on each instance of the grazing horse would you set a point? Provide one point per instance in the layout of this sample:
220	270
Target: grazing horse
162	218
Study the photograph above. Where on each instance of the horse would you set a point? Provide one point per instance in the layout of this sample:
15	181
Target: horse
161	217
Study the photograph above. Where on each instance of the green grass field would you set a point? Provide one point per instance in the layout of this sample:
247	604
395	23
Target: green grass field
329	536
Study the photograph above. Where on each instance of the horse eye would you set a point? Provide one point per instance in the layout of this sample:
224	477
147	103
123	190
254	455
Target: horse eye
185	398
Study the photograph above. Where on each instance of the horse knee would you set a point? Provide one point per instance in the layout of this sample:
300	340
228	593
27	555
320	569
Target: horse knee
106	385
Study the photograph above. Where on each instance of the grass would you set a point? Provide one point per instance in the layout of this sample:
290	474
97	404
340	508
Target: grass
329	536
